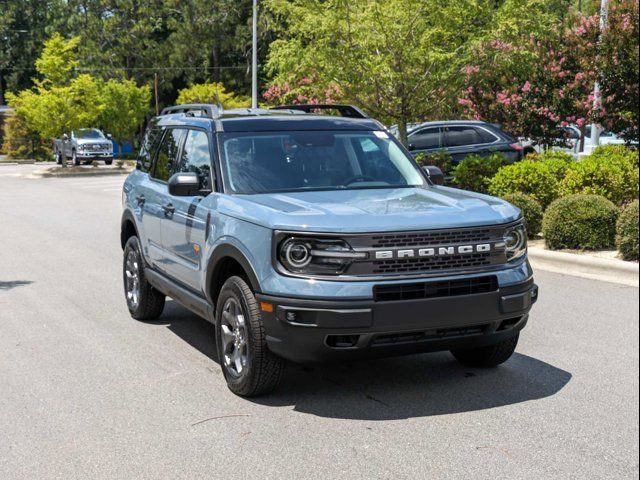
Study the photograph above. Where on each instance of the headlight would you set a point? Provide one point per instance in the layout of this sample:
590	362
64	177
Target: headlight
316	256
515	241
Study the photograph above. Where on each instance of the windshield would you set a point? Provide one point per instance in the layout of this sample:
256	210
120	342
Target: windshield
314	160
88	133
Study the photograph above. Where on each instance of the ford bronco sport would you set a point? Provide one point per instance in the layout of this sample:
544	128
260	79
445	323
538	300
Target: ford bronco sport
310	238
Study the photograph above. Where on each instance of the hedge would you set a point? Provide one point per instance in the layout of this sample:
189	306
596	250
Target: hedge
531	211
627	232
580	222
475	172
607	173
534	178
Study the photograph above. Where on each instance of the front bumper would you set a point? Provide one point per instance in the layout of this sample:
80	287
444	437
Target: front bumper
447	316
95	155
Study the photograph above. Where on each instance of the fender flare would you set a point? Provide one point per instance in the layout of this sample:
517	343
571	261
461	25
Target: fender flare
127	216
223	251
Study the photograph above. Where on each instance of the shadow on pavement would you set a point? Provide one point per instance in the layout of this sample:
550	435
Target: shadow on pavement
13	284
390	388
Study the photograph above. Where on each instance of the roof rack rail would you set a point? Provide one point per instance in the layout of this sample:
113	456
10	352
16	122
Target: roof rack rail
350	111
205	109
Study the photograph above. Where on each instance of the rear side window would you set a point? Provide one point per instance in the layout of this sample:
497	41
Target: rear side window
427	138
149	144
196	157
463	135
166	159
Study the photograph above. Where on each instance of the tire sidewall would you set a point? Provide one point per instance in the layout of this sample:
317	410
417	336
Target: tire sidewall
232	289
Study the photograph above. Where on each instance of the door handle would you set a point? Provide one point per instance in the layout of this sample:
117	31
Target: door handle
140	199
169	209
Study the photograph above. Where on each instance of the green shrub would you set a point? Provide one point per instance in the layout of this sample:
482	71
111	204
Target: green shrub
611	175
580	222
474	172
442	160
547	155
620	152
627	232
21	143
531	211
533	178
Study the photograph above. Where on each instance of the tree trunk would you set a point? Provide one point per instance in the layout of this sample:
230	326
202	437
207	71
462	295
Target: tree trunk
581	140
402	132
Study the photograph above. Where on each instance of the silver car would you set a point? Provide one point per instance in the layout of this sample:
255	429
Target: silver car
84	145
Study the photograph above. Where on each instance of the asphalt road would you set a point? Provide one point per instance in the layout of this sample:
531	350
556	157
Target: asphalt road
87	392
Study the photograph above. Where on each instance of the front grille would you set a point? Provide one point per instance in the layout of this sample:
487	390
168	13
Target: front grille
388	339
445	288
416	239
432	263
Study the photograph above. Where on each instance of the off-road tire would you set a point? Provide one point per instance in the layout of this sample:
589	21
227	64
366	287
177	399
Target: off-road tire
108	162
490	356
264	369
150	301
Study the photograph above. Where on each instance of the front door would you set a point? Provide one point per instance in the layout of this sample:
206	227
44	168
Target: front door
156	195
184	230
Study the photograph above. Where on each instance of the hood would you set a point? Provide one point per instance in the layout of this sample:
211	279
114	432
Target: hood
376	210
91	141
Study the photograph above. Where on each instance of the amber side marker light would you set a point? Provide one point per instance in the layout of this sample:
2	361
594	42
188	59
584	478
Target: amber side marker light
266	307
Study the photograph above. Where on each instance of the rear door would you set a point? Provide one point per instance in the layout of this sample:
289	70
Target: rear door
425	140
156	195
463	140
184	225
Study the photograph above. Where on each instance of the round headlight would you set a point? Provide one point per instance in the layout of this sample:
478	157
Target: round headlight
513	239
297	254
515	242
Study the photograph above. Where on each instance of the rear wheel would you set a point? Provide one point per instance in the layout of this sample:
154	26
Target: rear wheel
490	356
144	301
248	366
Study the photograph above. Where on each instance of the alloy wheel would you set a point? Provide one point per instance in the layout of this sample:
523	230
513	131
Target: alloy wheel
132	274
234	338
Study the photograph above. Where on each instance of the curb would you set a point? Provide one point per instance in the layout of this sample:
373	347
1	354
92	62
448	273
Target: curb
604	269
103	173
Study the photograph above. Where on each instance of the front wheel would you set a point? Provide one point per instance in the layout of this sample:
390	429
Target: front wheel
108	162
144	301
248	366
490	356
74	158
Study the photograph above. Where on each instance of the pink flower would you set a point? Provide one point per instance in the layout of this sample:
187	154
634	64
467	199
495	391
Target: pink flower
580	122
526	87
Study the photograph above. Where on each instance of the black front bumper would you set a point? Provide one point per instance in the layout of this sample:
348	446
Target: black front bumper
310	331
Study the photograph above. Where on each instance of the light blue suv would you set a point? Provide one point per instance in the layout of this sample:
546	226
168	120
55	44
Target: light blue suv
313	237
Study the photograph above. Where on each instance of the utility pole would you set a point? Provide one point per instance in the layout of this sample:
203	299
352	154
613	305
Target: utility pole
254	58
597	100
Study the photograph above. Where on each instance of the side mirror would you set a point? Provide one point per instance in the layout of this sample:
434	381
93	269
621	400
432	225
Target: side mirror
434	174
411	147
109	136
185	184
65	137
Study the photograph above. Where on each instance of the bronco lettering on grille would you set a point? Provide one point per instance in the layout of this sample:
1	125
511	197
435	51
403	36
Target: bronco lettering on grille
432	251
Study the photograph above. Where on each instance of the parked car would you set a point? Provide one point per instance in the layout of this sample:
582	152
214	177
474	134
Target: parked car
84	145
312	238
460	138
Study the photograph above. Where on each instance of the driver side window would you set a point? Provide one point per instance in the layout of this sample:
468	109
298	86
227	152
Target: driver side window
166	158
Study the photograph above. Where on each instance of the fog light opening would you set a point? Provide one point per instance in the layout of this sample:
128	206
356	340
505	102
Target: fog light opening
342	341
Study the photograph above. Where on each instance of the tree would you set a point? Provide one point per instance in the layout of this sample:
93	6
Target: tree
212	93
61	101
124	106
536	87
619	70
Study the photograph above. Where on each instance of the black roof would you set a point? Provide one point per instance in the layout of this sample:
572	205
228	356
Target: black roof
294	117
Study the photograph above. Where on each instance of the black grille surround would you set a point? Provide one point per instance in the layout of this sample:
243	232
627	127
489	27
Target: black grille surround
444	262
435	289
